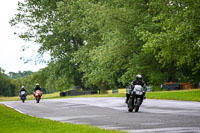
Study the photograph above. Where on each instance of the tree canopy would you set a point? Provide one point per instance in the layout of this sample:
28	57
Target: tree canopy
104	44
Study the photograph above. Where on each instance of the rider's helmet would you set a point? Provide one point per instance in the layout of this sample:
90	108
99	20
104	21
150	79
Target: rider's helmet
22	87
139	77
37	84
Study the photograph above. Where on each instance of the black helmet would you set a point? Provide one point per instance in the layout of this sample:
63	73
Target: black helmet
139	77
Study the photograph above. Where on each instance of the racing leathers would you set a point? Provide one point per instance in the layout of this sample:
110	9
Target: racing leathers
133	83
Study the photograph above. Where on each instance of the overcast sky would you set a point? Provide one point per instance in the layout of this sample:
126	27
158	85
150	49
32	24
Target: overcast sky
11	45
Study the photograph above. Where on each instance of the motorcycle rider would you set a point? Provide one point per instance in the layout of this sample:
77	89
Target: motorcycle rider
37	87
138	81
22	89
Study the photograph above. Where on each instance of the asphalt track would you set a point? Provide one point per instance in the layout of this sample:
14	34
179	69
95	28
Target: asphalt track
154	116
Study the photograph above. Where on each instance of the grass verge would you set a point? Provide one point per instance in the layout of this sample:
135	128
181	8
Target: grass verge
30	97
13	122
183	95
56	95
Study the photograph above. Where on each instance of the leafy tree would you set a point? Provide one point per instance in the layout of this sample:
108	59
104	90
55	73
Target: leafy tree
172	36
101	43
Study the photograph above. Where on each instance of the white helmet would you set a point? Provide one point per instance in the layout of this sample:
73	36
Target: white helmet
139	77
22	87
37	84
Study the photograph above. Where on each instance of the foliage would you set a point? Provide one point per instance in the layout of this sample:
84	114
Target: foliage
8	87
19	74
173	38
104	44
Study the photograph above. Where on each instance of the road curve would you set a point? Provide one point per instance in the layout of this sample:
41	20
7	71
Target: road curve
160	116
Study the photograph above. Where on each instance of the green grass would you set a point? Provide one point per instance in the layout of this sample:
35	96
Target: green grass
56	95
98	95
14	122
30	97
184	95
8	98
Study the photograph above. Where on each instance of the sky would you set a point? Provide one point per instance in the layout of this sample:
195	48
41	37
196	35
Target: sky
11	45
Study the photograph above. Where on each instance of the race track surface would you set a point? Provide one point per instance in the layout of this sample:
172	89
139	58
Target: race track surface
154	116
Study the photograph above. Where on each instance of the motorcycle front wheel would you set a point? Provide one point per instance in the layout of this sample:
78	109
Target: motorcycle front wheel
130	105
137	105
130	110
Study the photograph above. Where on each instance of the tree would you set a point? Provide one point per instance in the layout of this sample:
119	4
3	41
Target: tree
43	18
172	36
101	43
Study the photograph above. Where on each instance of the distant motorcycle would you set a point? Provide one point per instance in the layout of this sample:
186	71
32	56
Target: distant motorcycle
38	95
23	96
136	98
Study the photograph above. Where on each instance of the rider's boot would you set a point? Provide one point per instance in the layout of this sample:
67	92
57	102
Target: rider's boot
127	98
144	97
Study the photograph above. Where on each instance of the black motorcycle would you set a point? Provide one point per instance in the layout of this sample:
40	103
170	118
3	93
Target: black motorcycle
136	98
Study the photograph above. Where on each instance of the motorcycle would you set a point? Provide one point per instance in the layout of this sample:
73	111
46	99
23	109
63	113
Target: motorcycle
136	98
38	95
23	96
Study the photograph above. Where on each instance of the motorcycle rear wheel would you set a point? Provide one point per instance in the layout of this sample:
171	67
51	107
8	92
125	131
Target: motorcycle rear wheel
38	100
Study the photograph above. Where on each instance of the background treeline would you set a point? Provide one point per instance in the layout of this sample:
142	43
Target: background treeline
8	87
20	74
102	44
11	84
